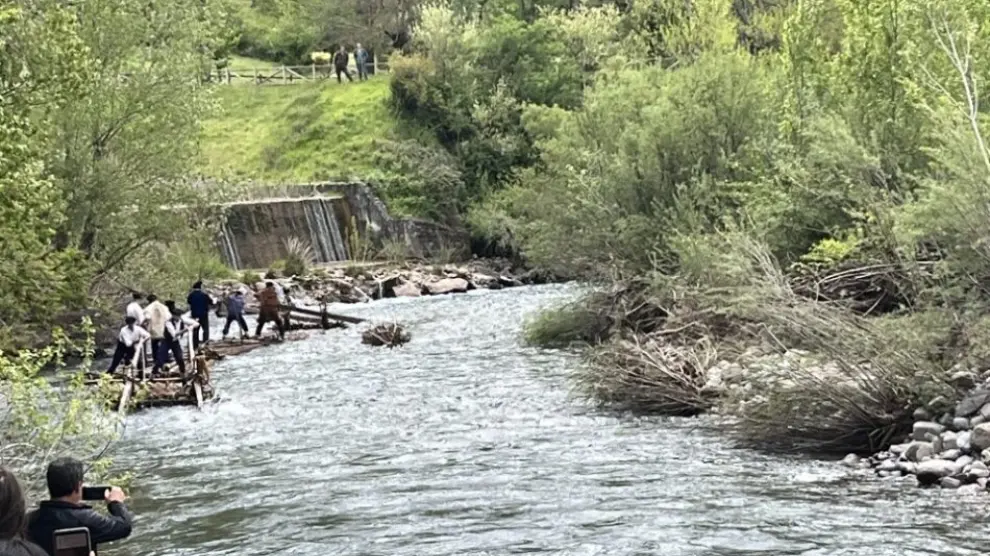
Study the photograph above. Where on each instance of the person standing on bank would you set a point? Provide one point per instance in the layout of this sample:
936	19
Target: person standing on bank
269	311
199	307
235	313
130	336
65	509
340	64
361	61
156	314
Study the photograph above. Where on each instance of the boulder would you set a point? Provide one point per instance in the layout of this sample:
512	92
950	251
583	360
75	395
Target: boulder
950	454
921	414
977	470
448	285
926	430
972	402
407	289
962	441
960	424
977	420
931	471
949	482
985	411
980	437
949	441
970	490
963	380
485	281
918	451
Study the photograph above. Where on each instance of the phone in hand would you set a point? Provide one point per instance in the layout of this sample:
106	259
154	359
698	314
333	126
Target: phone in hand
72	542
94	493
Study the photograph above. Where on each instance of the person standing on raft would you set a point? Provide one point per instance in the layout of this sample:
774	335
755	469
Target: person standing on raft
134	308
235	313
130	336
175	327
199	307
155	316
269	311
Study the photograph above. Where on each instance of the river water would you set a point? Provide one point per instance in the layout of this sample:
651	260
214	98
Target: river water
465	442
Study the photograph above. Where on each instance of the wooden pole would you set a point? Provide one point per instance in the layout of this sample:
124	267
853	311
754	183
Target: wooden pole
320	314
374	62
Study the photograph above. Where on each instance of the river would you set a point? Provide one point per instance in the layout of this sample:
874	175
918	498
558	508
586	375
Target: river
465	442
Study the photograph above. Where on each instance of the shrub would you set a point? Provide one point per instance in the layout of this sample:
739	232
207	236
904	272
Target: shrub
576	323
299	256
250	278
649	375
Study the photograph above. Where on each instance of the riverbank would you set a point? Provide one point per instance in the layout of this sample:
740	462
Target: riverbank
361	283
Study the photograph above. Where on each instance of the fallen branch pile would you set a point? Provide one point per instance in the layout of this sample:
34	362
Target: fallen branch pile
389	335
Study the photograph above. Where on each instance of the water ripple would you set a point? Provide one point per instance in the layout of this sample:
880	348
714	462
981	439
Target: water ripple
464	442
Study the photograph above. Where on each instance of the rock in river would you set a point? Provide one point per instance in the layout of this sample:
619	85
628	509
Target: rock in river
448	285
918	451
929	472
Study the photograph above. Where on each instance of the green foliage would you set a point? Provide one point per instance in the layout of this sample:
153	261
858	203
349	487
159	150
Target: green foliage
48	416
302	133
250	278
577	323
299	257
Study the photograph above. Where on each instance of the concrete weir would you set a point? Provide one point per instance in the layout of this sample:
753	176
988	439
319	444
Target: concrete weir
330	217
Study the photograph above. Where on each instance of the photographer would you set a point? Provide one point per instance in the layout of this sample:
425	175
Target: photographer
66	509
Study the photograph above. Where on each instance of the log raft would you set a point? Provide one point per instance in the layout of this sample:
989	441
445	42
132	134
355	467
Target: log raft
140	390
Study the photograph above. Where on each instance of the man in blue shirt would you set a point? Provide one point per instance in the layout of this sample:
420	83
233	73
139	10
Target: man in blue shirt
199	307
361	61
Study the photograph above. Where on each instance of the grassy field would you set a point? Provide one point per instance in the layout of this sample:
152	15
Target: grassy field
295	133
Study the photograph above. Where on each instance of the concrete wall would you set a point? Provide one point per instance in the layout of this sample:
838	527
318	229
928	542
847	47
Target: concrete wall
331	217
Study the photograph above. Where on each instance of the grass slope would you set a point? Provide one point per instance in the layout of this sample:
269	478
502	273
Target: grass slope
296	133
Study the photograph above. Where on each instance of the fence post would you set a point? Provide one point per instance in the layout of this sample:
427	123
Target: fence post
314	71
227	74
256	80
374	63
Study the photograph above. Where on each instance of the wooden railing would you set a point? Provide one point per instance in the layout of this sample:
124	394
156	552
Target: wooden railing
288	75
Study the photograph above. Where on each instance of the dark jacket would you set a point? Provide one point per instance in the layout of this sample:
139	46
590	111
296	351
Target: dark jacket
235	305
199	304
56	514
340	60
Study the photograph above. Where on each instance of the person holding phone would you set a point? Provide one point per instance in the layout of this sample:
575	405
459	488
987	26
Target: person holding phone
66	510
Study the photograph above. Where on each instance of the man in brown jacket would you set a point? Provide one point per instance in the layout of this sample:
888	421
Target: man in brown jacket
269	311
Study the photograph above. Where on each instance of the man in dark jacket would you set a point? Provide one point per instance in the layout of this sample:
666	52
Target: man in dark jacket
65	510
340	64
199	306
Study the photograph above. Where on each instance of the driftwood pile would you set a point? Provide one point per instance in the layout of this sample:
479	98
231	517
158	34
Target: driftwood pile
389	335
867	289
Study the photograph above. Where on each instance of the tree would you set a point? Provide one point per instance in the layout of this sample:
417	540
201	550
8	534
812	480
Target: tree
122	148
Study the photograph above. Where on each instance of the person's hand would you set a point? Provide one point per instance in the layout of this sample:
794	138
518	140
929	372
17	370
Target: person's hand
114	494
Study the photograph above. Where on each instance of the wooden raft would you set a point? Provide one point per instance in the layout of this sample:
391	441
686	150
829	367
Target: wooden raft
139	390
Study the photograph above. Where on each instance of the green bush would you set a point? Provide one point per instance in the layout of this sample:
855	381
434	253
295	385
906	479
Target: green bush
299	257
250	278
578	323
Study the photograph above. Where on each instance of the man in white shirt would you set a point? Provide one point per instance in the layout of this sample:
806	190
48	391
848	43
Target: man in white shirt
156	314
130	336
134	308
175	328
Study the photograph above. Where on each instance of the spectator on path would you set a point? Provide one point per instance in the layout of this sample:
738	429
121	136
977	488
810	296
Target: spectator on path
269	311
340	64
134	308
156	314
13	519
130	336
199	307
361	61
175	327
65	509
235	313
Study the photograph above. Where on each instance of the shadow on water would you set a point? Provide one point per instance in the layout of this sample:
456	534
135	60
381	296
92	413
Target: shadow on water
465	442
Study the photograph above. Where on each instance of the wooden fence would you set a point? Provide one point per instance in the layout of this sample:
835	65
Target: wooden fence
288	75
